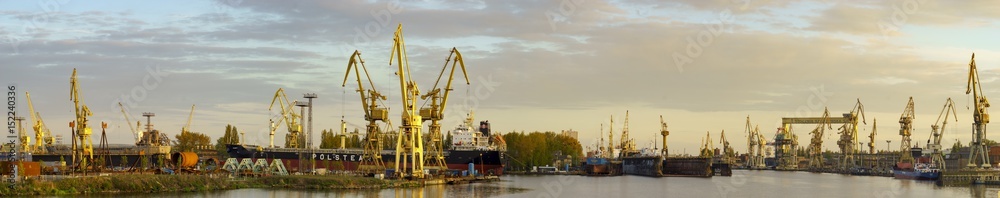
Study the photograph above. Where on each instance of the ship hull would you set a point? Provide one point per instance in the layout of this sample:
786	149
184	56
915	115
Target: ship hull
486	162
915	175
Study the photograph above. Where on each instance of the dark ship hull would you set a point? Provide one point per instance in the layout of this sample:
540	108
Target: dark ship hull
488	162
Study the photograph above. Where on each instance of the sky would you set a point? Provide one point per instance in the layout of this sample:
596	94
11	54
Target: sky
704	65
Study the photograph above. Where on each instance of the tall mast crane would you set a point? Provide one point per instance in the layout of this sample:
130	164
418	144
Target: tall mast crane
871	137
611	138
136	131
980	116
751	144
937	133
816	143
627	143
187	127
83	131
371	159
728	154
289	117
409	145
905	130
435	113
706	147
761	142
849	136
664	133
43	137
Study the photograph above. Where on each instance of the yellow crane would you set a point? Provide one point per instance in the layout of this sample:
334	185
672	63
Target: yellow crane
611	138
980	116
905	130
187	127
288	116
728	153
435	113
816	143
937	133
751	144
409	144
706	147
137	130
849	136
371	159
627	144
83	131
43	137
871	137
664	133
758	161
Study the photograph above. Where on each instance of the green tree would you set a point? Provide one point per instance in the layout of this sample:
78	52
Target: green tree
327	139
989	143
190	141
230	137
447	141
957	146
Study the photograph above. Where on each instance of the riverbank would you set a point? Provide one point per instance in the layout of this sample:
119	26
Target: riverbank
145	183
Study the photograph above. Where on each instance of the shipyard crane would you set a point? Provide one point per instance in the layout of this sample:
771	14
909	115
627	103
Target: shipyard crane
937	133
664	132
761	142
706	147
871	137
435	113
785	142
137	130
849	136
905	130
751	143
43	137
371	159
187	127
83	131
611	138
980	116
816	143
728	153
409	144
289	117
627	144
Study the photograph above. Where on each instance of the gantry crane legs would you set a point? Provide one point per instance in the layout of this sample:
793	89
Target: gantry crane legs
816	143
849	137
371	159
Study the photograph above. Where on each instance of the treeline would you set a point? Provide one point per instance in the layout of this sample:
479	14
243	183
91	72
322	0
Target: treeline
540	149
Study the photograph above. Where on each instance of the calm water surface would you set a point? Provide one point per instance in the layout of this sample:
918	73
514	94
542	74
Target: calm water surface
741	184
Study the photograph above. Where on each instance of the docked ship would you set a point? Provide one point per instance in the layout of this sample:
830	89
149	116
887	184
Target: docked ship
923	169
479	150
152	145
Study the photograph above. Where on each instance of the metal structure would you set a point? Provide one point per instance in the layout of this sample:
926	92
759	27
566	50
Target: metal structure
289	117
187	126
136	131
937	133
755	146
43	137
435	113
85	152
871	137
728	153
409	144
706	146
626	143
905	130
611	138
849	136
664	133
371	159
981	117
815	149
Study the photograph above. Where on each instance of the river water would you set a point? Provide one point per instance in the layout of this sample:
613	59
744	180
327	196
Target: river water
742	184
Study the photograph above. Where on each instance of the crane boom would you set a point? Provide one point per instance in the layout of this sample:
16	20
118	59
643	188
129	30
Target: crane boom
905	130
42	132
83	131
289	117
135	130
371	160
187	127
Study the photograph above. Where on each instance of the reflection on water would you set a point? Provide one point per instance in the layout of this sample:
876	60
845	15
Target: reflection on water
741	184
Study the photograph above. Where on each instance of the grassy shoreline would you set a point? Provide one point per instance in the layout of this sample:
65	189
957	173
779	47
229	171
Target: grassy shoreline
140	183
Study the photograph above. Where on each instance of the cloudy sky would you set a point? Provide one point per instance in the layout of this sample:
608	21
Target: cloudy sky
705	65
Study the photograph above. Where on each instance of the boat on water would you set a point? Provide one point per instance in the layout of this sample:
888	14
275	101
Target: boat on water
921	171
153	145
470	149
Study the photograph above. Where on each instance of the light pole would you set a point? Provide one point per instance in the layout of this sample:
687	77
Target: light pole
887	142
